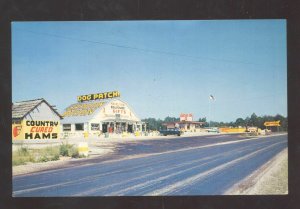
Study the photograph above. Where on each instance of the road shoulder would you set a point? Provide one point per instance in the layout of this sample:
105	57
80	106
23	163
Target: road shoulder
270	179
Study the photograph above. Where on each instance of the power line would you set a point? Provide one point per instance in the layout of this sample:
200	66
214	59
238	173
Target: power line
142	49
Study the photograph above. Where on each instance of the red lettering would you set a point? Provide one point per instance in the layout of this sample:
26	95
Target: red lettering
41	129
32	129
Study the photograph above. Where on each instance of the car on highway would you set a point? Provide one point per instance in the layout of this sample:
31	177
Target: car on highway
213	130
170	131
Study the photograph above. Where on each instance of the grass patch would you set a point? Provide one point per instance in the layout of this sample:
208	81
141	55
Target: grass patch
46	154
21	156
25	155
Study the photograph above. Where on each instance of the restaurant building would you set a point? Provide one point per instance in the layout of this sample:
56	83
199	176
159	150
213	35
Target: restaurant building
99	115
35	119
186	124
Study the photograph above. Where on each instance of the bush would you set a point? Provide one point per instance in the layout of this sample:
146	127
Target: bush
69	150
75	153
43	159
55	157
65	149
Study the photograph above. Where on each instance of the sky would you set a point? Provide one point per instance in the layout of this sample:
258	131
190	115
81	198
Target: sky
161	68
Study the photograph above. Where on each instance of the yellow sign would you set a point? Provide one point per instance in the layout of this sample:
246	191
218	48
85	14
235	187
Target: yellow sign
272	123
105	95
30	129
232	130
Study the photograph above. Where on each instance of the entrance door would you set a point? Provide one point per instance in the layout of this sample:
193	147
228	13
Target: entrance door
129	129
104	128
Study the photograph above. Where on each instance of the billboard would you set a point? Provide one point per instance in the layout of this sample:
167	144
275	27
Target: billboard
30	129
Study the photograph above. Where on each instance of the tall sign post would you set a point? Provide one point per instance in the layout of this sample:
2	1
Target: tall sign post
211	99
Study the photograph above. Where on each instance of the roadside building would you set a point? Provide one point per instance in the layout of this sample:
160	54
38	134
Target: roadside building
100	116
186	124
35	119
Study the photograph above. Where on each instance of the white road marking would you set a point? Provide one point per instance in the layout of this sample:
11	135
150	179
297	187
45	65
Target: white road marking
200	176
90	178
107	173
157	180
155	173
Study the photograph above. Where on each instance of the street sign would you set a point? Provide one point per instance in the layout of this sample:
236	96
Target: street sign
272	123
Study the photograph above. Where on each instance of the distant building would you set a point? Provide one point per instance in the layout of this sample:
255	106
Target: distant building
112	116
35	119
186	124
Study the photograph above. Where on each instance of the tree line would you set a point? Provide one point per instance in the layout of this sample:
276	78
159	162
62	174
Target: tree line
253	120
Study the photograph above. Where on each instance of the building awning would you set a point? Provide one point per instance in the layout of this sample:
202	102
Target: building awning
119	121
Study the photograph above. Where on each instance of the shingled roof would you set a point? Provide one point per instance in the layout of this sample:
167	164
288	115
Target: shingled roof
85	111
82	112
21	109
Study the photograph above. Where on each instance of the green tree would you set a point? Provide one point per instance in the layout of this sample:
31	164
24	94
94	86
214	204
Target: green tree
171	119
203	120
260	122
240	122
152	123
253	120
247	121
283	122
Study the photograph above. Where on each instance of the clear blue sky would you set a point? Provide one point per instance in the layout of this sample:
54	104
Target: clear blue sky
161	68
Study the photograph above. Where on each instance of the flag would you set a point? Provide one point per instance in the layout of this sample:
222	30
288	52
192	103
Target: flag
211	97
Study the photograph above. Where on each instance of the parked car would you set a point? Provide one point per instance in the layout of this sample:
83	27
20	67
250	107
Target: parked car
170	131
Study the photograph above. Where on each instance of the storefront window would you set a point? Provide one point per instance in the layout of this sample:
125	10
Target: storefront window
66	127
95	127
79	127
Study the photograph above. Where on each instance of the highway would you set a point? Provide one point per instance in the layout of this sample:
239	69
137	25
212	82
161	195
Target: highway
178	166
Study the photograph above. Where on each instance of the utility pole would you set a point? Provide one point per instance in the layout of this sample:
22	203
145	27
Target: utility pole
211	98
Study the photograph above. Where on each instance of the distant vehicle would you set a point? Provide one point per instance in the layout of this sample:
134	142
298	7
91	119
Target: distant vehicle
170	131
212	130
251	129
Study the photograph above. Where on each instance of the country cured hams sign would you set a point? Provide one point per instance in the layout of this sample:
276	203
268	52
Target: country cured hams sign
31	129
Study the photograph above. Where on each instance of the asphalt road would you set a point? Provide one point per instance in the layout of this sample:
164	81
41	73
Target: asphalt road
178	166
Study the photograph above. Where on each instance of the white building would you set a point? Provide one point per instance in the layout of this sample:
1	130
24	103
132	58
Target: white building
35	119
95	118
